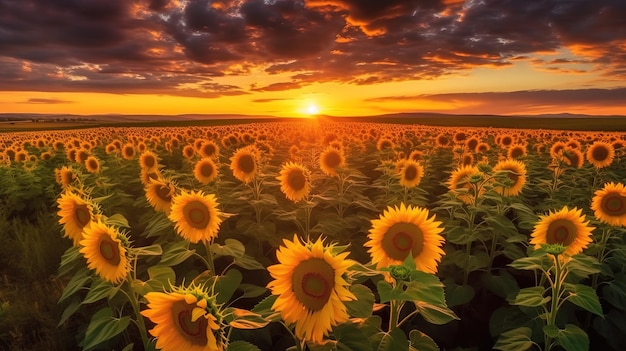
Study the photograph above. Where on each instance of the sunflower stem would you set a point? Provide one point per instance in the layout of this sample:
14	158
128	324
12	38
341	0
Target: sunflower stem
556	287
394	313
209	253
134	301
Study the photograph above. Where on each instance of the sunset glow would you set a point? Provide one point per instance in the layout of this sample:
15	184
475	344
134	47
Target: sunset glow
299	58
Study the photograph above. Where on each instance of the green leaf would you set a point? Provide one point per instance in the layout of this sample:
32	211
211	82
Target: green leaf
503	285
384	291
77	282
458	294
251	290
426	292
362	306
240	345
248	262
100	289
614	291
176	253
572	338
69	260
517	339
531	297
264	308
231	247
531	263
152	250
394	341
117	220
584	296
70	309
350	337
103	326
422	342
227	284
160	278
583	265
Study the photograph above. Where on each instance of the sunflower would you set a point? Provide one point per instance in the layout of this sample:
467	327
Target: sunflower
104	248
572	157
442	140
196	216
482	147
385	143
148	161
185	319
515	170
566	227
188	151
244	164
128	151
401	231
411	173
609	204
311	288
159	193
600	154
64	176
517	151
294	181
209	149
92	164
205	170
330	159
76	213
460	179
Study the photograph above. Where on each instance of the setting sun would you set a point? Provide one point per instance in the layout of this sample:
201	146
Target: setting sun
312	109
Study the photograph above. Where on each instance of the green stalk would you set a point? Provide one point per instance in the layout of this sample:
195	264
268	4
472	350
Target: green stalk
556	293
210	262
132	298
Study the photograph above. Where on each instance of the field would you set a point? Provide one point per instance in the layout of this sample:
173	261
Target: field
314	234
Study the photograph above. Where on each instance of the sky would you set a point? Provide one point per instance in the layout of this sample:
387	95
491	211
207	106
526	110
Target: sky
295	58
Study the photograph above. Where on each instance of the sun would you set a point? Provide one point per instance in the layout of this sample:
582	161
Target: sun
312	109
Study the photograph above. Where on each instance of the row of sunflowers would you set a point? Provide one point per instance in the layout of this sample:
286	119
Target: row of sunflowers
317	235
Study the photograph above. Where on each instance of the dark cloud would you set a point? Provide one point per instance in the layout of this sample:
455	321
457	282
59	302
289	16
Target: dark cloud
167	47
269	100
278	87
39	101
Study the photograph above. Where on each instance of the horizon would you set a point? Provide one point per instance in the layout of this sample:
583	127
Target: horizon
317	57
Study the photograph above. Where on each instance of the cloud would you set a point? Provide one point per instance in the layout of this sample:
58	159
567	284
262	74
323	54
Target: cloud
43	101
278	86
269	100
149	46
515	102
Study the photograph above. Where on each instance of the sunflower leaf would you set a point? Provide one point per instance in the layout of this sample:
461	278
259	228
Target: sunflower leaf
572	338
264	308
227	284
241	345
176	253
584	296
231	247
422	342
117	220
531	297
362	306
518	339
104	326
78	281
583	265
351	337
100	289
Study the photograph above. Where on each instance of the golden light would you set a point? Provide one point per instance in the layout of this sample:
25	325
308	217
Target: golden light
312	109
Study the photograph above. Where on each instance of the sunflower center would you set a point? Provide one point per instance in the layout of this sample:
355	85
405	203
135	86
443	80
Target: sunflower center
410	172
82	215
246	164
93	164
312	282
206	169
197	214
332	159
402	238
110	251
192	331
600	153
561	231
296	179
614	204
164	192
209	149
149	161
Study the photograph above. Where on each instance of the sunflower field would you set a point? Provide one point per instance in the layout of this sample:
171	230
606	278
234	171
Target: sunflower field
312	235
